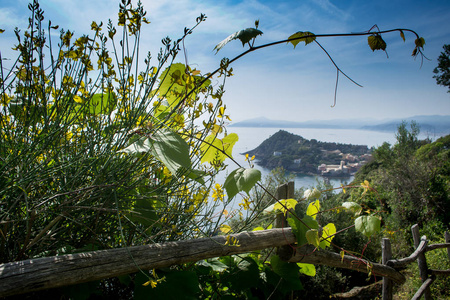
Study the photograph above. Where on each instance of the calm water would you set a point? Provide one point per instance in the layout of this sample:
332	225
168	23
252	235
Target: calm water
250	138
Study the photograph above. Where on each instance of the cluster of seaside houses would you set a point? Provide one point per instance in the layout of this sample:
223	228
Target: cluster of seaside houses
349	164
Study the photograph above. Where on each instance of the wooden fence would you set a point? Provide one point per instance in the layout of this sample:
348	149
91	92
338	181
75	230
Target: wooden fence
51	272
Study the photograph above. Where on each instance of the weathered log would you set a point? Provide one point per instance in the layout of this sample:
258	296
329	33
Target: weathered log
308	254
50	272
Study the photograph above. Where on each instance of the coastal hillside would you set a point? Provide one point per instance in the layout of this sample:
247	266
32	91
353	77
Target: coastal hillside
297	154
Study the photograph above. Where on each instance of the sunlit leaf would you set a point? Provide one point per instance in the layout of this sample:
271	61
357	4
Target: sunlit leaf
300	36
284	204
244	36
215	149
225	228
313	209
328	232
307	269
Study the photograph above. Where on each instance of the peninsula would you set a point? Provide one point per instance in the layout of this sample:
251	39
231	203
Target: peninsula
297	154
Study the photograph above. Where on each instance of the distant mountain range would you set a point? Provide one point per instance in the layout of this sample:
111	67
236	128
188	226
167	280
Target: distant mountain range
436	124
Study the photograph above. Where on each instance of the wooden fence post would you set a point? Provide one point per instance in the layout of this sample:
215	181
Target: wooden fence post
284	191
421	261
386	256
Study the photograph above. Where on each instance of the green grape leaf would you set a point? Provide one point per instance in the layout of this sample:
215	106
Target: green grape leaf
214	264
176	81
353	207
166	146
244	36
102	104
300	35
241	179
368	225
312	236
215	149
307	269
313	209
328	232
376	42
299	228
281	204
285	270
170	149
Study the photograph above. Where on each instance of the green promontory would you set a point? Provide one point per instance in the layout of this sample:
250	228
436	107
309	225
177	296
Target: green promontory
297	154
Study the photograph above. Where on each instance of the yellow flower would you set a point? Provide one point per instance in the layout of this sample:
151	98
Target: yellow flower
218	193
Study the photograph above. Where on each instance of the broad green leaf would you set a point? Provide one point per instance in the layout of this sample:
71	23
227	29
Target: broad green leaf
102	104
312	236
144	212
281	205
176	81
307	269
241	179
299	228
368	225
284	269
313	209
353	207
328	232
139	146
244	36
376	42
171	149
228	142
215	149
300	35
214	263
166	146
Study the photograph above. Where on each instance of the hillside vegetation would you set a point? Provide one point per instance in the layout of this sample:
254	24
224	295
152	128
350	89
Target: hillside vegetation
297	154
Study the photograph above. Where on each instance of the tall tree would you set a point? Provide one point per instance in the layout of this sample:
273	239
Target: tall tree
442	71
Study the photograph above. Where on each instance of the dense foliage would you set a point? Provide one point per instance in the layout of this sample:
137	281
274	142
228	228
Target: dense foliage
100	150
442	71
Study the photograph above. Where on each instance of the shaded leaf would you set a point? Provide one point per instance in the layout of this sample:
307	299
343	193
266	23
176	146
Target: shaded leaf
368	225
376	42
241	179
312	236
244	36
353	207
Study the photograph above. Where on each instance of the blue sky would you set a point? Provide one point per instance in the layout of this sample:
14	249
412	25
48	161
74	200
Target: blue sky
280	82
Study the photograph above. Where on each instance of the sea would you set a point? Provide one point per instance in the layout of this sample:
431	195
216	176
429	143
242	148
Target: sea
252	137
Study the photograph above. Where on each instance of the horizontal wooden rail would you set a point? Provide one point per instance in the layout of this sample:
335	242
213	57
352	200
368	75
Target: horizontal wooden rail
308	254
50	272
